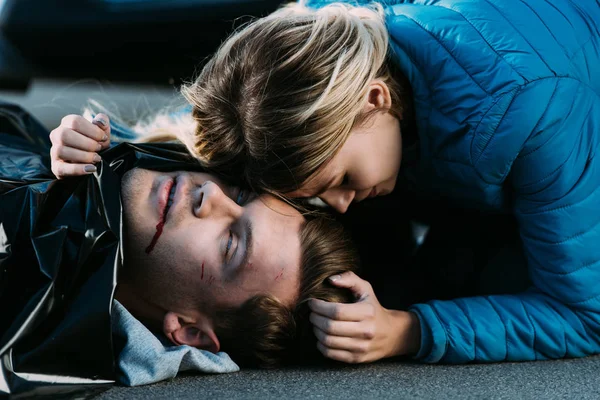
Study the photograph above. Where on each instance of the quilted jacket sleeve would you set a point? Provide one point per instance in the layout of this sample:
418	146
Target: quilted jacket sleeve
556	183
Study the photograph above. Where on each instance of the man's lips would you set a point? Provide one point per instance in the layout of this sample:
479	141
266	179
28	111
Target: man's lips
163	198
164	190
178	189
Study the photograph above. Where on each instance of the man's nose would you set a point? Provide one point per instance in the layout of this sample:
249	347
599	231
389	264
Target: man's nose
338	198
211	201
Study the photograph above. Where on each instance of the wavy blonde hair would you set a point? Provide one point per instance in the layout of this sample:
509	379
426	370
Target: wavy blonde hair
167	124
282	94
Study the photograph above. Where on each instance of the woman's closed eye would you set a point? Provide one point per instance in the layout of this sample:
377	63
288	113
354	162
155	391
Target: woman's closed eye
345	180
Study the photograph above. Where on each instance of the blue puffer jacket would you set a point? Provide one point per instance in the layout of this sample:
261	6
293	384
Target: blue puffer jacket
507	100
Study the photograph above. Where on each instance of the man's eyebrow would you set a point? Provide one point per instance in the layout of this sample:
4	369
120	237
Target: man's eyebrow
248	244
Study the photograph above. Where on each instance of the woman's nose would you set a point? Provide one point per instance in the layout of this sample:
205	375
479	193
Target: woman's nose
211	201
338	198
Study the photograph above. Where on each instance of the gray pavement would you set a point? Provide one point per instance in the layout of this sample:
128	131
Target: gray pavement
49	100
562	379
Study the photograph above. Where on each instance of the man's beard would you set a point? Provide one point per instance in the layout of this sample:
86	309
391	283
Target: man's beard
133	271
149	275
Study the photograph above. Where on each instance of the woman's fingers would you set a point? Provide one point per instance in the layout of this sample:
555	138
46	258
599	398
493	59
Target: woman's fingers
69	138
69	154
103	122
68	145
353	282
341	342
357	332
62	169
361	330
76	143
81	125
342	311
342	355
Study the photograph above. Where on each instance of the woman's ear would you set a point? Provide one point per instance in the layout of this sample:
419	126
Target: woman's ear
196	332
378	96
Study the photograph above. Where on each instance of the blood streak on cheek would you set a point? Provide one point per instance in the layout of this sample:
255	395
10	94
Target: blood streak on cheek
159	230
202	273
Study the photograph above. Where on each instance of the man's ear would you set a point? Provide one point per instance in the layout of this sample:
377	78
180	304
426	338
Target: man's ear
378	96
196	331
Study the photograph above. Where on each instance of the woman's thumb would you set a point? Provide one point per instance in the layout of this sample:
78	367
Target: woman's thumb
351	281
102	121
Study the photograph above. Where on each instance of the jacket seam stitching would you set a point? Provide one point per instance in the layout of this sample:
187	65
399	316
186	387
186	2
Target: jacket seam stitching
520	89
560	12
494	103
520	187
493	134
451	54
468	317
564	274
576	52
540	180
532	327
447	341
565	207
488	43
506	339
540	121
584	301
561	318
522	36
565	240
548	29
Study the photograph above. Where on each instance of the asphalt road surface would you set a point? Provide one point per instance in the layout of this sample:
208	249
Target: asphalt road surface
562	379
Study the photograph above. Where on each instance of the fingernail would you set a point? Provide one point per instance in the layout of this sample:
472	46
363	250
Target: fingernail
90	168
104	138
334	278
99	147
99	121
97	158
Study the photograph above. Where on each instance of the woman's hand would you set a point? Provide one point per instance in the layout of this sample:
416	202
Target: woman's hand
363	331
76	143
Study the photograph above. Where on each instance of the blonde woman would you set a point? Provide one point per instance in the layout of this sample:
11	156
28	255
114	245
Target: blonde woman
319	100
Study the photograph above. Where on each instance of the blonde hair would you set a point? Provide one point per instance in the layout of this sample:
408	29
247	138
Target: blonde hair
170	123
281	95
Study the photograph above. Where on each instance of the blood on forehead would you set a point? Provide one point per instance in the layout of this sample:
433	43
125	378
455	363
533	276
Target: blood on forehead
279	275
